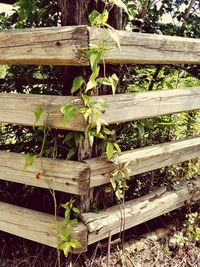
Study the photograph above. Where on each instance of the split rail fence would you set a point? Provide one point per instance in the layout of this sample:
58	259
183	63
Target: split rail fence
64	46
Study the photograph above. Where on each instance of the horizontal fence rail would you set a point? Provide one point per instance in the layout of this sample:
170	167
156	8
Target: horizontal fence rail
68	45
145	159
62	175
44	46
145	48
137	211
19	108
36	226
136	106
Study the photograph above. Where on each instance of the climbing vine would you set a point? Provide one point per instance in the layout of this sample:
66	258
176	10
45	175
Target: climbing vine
95	128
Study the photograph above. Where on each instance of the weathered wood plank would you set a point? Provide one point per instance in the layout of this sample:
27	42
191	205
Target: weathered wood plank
135	106
138	211
62	175
20	108
65	46
36	226
145	159
44	46
144	48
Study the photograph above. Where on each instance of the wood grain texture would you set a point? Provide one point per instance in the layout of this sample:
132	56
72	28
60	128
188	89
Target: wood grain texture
144	48
135	106
36	226
139	210
20	108
62	175
44	46
145	159
65	46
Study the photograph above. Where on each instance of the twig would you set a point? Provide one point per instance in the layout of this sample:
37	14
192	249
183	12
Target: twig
109	244
144	9
187	13
158	69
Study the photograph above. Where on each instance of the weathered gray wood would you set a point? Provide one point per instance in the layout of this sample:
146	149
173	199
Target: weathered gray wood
44	46
36	226
66	45
61	175
145	159
20	108
144	48
134	106
137	211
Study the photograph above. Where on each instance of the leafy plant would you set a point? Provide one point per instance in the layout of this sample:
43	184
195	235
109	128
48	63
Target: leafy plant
67	242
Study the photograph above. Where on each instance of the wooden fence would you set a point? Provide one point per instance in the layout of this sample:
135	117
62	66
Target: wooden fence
66	46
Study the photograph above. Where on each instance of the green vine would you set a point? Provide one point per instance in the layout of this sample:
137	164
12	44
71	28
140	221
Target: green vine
67	242
95	128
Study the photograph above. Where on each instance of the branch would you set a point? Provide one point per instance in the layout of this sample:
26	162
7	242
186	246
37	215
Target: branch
187	13
144	10
188	9
159	67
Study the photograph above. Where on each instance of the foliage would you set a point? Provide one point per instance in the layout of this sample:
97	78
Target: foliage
190	231
67	242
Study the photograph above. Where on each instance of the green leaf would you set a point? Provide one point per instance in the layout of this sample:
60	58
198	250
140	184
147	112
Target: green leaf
74	243
104	17
97	18
77	138
71	153
29	160
38	113
119	194
77	83
68	138
113	183
141	129
76	210
65	246
69	112
91	84
114	82
94	55
67	230
94	17
109	150
117	147
27	7
108	131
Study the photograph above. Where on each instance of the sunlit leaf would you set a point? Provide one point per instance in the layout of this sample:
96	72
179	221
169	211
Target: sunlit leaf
38	113
117	147
109	150
29	160
74	243
69	112
77	83
94	17
114	82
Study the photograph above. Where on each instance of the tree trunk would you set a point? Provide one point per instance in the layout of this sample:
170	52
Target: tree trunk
76	13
